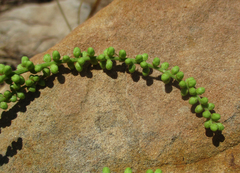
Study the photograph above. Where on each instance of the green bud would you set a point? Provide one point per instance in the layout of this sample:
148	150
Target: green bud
102	64
214	127
144	64
206	114
109	64
38	68
207	124
81	61
24	60
188	79
122	54
1	68
215	117
200	90
184	91
180	76
84	54
220	126
22	80
132	68
128	61
191	83
192	91
29	65
182	84
3	105
128	170
193	100
19	66
13	98
56	55
105	52
110	51
139	59
156	62
90	51
7	70
145	56
65	58
158	171
204	100
46	72
29	82
101	57
32	88
2	79
36	78
15	86
175	70
165	77
47	58
145	71
54	68
77	52
21	95
149	171
7	94
199	109
15	78
78	67
106	170
211	106
164	65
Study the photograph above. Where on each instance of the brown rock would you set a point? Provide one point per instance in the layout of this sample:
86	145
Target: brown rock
83	122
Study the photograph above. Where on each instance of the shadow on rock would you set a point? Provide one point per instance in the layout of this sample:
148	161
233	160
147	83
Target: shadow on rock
11	151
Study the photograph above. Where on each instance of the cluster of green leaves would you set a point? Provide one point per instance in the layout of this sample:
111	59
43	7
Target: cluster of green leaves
18	84
129	170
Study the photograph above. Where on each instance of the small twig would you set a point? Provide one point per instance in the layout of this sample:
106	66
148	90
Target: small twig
61	10
79	10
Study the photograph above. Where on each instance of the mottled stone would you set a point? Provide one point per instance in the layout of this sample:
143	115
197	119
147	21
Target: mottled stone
33	28
83	122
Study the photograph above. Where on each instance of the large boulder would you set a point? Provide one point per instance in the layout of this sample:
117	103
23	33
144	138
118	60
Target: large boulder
84	121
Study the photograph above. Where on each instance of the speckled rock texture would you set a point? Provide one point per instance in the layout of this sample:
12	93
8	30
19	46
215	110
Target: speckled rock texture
34	28
84	121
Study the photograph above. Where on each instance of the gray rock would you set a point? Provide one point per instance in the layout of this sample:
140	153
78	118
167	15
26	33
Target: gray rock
34	28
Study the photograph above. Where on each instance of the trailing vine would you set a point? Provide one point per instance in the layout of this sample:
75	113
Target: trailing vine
40	72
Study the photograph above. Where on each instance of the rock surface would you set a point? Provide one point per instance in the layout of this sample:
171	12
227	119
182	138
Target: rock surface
83	122
34	28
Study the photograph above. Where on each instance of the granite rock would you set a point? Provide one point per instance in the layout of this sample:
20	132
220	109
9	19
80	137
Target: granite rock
33	28
84	121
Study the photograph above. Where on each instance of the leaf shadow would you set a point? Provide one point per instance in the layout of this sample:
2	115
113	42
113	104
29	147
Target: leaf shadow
21	105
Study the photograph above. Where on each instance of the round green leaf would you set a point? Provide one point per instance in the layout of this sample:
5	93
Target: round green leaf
54	68
193	100
55	55
109	64
215	117
206	114
76	52
156	62
199	109
47	58
122	54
